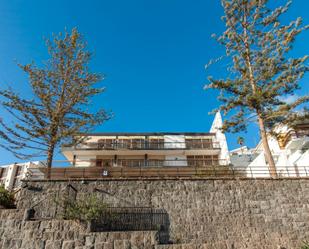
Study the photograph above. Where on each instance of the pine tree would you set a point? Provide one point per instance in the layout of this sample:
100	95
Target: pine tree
262	72
240	141
56	110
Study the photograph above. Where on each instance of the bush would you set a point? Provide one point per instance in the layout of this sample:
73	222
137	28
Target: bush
86	209
6	198
305	245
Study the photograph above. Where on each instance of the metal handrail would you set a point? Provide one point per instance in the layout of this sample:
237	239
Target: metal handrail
147	145
159	162
218	171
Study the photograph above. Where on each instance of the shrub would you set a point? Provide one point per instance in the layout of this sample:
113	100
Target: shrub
86	209
305	245
6	198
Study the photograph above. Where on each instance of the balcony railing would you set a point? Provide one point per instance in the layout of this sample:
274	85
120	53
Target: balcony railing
133	172
144	145
219	171
156	163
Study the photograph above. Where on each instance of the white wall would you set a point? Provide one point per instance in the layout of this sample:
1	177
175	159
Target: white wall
174	142
25	172
289	162
85	161
216	126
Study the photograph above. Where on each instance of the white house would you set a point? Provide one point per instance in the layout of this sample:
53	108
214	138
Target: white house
139	149
290	149
151	149
12	174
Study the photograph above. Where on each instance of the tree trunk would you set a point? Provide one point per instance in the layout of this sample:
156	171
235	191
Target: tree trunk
50	155
267	152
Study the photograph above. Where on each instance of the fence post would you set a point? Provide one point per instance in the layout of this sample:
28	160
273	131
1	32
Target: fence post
305	170
251	171
287	170
214	167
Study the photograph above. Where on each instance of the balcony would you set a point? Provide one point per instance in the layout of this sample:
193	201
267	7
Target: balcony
148	163
149	145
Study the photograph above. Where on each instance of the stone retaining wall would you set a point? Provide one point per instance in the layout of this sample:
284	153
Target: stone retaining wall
11	214
60	234
215	214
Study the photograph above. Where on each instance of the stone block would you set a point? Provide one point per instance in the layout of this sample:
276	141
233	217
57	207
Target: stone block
68	244
53	244
101	237
108	245
89	240
119	244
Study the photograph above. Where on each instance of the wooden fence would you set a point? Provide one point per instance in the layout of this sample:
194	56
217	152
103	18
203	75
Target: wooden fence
141	172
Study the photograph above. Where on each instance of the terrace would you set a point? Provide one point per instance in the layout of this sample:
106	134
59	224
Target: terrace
141	144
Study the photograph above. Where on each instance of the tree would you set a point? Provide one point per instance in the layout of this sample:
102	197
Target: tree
57	109
240	141
258	45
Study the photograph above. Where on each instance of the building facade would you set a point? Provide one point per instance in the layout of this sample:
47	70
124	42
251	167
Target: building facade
123	154
12	174
290	150
151	149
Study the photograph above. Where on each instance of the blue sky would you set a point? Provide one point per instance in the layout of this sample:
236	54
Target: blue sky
153	54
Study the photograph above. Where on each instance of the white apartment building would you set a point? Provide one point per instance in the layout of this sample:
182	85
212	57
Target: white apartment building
130	151
152	149
12	174
290	149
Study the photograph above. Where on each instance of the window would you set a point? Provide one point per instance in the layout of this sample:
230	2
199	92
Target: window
131	162
3	172
137	143
197	143
193	143
107	143
202	160
104	162
98	163
18	170
206	143
156	143
124	143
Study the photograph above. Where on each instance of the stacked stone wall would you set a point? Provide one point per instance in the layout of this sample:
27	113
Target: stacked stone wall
60	234
212	213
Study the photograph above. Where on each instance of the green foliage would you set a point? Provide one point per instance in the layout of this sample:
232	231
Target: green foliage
62	92
262	74
305	245
6	198
240	141
85	209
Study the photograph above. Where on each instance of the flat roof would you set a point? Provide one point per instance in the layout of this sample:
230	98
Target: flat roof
147	133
